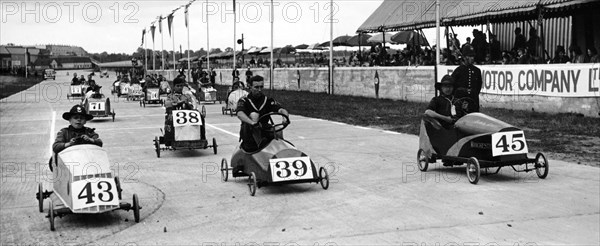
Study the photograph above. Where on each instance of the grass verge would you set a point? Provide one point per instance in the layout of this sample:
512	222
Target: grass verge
10	85
568	137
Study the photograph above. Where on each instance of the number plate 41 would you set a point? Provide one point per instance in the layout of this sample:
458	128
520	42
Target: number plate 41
509	143
294	168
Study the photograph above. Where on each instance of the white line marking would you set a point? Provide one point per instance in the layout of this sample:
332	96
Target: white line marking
391	132
52	128
223	130
22	134
362	127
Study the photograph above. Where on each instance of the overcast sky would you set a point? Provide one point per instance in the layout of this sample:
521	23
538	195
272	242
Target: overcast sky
116	26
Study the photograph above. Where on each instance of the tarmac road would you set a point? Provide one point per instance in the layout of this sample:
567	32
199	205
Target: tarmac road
377	194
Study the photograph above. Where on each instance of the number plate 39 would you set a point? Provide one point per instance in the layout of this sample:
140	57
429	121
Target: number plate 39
94	192
294	168
509	143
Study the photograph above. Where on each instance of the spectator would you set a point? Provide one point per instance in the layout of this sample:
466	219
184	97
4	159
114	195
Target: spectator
560	55
520	41
466	43
593	54
523	56
495	54
577	55
533	42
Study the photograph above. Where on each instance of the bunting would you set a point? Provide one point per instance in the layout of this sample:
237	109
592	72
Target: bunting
170	22
160	24
152	29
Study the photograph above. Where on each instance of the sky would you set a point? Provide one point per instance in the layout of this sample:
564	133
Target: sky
116	26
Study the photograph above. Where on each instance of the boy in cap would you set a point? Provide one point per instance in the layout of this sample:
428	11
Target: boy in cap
76	133
177	99
249	109
467	77
441	108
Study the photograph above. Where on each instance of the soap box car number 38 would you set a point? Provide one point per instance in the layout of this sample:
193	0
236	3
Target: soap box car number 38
295	168
509	143
186	118
94	192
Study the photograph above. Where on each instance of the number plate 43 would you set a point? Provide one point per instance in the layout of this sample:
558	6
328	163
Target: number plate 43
294	168
509	143
94	192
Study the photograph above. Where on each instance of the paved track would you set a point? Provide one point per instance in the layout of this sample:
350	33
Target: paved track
377	195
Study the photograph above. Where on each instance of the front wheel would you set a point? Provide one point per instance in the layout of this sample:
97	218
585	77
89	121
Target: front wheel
252	185
118	184
324	178
51	215
214	146
136	208
157	147
224	170
541	166
422	160
473	170
40	197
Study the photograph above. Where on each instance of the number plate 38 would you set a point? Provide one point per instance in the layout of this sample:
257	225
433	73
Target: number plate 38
94	192
509	143
294	168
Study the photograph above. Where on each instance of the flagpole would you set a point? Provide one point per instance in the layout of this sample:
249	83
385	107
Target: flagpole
153	54
331	46
173	38
207	42
234	37
272	27
162	46
145	53
187	25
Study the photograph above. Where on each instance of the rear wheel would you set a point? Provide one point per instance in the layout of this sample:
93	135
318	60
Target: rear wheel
223	110
324	178
422	160
51	215
40	197
157	147
252	185
214	146
136	208
224	170
541	166
473	170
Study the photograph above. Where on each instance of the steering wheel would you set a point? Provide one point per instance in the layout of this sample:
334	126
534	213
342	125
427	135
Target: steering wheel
274	127
464	106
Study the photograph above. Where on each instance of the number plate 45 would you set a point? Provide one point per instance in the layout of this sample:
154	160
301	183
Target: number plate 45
294	168
509	143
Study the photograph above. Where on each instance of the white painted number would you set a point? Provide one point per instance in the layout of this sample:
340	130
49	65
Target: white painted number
295	168
186	117
509	143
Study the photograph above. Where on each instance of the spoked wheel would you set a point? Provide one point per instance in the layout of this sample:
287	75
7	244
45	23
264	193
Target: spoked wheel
473	170
541	166
118	184
40	197
224	170
51	215
136	208
252	185
422	160
214	146
203	112
157	147
324	178
140	104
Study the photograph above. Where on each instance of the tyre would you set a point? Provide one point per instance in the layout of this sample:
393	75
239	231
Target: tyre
214	145
324	178
40	197
422	160
252	185
541	166
224	170
119	190
136	208
51	215
157	147
473	170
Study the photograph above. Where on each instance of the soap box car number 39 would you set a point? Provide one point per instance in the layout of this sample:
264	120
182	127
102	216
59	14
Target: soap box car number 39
94	192
509	143
294	168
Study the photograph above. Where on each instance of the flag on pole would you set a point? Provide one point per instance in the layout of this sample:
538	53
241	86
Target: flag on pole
170	22
186	15
152	29
143	34
160	24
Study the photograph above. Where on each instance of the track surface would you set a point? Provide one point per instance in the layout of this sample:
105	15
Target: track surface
376	196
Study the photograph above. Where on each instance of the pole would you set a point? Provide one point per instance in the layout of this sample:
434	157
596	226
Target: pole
26	73
146	53
162	49
234	37
331	46
243	41
272	26
188	43
173	37
207	42
437	40
153	54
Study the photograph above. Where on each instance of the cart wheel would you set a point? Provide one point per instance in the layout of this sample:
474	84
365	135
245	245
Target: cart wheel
157	147
51	215
323	178
223	110
136	208
224	170
473	170
113	115
40	197
214	146
541	166
140	104
252	185
422	160
203	111
118	184
143	103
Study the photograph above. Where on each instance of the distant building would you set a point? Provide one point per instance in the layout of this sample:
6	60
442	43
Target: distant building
17	56
65	50
64	62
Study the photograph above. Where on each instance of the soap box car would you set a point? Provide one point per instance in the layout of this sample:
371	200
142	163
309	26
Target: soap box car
277	163
480	141
49	73
184	130
83	183
152	96
99	106
75	91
